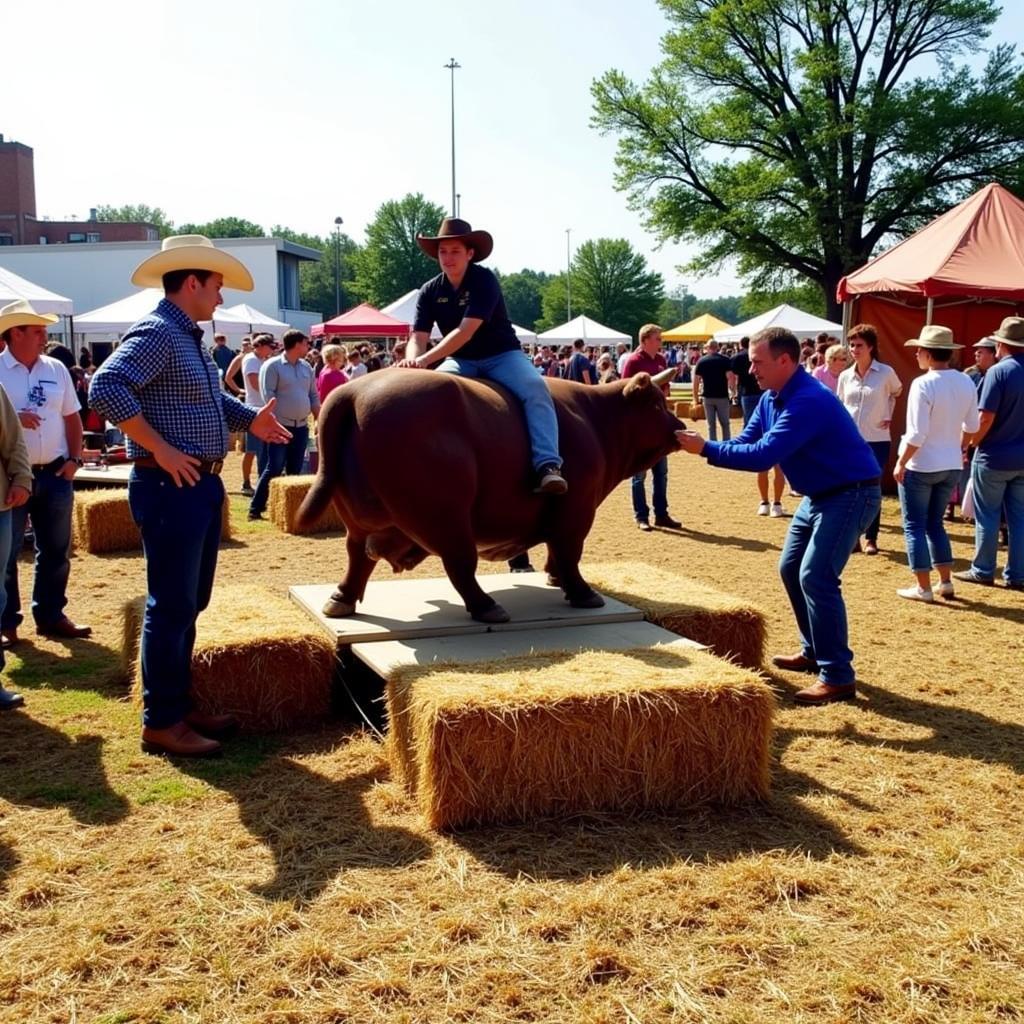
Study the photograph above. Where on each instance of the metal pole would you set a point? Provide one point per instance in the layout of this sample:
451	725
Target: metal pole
451	66
337	265
568	276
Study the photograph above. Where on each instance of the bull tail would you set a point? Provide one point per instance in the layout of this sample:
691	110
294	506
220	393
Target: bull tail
333	432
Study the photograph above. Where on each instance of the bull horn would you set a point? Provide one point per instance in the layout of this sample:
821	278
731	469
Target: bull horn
664	377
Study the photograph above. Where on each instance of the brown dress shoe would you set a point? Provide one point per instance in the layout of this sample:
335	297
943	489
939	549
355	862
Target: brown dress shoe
178	741
214	727
821	693
9	637
65	629
667	523
795	663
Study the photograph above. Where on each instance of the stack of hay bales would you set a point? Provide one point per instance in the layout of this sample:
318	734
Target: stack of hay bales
286	495
103	522
254	658
732	628
558	734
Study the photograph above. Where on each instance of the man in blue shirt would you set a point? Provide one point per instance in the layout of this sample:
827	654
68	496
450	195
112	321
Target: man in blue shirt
162	389
800	425
997	471
478	339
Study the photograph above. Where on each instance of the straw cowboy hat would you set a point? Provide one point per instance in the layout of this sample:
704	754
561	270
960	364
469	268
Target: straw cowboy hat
191	252
990	342
933	336
21	314
1011	331
452	228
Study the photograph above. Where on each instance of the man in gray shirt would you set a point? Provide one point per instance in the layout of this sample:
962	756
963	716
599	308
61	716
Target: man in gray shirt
289	378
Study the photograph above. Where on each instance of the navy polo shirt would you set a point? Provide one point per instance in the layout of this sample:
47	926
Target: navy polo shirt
479	297
1002	394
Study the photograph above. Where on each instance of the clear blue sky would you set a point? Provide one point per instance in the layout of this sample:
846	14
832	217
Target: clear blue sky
296	113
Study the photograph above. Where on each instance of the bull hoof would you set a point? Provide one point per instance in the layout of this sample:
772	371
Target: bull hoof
591	600
336	607
493	615
554	581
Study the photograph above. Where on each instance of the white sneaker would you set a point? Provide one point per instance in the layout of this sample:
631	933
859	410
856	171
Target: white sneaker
916	594
777	510
762	509
946	589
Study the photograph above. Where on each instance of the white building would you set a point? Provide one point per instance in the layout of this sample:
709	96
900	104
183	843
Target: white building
95	274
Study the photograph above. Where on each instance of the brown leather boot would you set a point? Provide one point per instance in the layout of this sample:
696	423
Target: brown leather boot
178	740
214	727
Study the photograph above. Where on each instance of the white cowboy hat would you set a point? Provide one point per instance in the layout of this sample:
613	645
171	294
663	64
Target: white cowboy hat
933	336
21	314
191	252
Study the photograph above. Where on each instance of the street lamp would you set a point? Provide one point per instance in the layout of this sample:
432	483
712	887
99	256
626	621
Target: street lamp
337	265
568	283
451	66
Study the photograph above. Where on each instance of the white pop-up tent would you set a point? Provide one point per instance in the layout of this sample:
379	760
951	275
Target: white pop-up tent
404	309
525	337
583	327
117	317
244	319
13	287
796	321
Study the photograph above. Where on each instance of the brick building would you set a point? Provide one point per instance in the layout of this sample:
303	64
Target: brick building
19	224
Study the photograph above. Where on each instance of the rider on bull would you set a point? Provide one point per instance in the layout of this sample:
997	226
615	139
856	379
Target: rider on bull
466	303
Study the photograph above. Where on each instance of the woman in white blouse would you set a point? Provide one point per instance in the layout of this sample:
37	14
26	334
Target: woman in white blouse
941	408
869	390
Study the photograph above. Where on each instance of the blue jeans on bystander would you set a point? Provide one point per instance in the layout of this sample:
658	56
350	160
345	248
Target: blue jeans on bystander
995	490
659	489
278	459
923	499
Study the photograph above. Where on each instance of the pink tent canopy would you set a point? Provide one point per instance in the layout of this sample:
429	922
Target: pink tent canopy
362	322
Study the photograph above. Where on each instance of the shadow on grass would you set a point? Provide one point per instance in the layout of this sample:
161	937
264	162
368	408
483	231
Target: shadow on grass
314	826
79	665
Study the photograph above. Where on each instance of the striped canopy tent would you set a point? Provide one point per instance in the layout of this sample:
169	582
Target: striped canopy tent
698	329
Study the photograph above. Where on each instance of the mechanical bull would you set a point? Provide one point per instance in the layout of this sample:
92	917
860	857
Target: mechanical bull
422	463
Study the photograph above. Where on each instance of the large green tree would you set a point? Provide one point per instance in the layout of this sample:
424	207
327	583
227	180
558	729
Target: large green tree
224	227
137	213
796	135
391	263
524	295
317	280
610	283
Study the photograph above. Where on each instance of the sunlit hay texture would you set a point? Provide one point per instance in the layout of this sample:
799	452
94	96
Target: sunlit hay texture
562	734
731	627
255	657
103	522
286	494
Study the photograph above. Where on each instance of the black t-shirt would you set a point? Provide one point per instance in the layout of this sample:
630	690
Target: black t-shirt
746	382
479	296
713	369
577	364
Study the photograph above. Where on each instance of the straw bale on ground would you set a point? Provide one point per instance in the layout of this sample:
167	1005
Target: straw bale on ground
286	494
732	627
569	733
103	522
255	657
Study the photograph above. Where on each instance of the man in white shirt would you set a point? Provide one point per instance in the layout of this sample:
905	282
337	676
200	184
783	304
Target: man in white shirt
263	347
42	392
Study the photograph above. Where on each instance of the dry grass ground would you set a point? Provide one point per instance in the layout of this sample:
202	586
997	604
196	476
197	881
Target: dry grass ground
292	882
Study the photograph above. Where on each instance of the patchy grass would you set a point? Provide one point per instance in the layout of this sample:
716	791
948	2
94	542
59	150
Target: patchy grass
882	881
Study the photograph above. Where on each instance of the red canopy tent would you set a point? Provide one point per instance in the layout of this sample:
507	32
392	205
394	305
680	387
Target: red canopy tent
964	271
362	322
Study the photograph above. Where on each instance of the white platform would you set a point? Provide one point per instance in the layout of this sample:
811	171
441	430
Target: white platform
110	476
410	609
385	655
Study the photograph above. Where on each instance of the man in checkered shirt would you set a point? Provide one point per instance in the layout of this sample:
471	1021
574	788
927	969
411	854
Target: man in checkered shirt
162	389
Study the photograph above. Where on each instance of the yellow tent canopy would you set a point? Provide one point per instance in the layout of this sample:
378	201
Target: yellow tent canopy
699	329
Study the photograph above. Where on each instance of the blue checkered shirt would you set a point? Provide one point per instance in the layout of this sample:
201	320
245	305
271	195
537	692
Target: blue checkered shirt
162	371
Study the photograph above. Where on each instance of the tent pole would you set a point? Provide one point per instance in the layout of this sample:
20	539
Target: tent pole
929	311
847	317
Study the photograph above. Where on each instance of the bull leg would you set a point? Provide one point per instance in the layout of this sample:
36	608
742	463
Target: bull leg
565	552
551	568
351	589
460	565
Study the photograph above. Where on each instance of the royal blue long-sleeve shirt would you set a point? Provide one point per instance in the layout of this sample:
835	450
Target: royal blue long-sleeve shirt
804	429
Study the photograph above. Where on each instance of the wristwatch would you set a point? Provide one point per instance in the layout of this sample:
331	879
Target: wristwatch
75	459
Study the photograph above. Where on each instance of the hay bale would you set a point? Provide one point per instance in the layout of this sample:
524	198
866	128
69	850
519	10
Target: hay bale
254	658
558	734
286	494
731	627
102	521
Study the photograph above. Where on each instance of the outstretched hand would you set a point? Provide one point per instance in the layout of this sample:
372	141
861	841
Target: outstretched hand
267	427
690	441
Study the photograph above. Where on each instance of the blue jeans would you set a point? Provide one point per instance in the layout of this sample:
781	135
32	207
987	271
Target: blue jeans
659	496
514	371
5	553
748	403
180	529
278	459
880	450
994	490
818	545
923	498
717	411
50	508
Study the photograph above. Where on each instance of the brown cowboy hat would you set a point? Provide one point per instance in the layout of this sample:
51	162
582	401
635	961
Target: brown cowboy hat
1011	331
452	228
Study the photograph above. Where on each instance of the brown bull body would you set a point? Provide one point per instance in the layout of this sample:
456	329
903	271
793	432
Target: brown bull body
422	463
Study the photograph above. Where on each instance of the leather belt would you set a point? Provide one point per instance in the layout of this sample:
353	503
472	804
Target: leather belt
206	466
49	467
857	485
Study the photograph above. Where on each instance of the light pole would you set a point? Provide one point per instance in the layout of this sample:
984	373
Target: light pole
568	267
451	66
337	265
